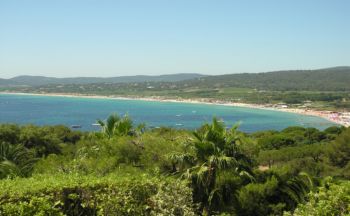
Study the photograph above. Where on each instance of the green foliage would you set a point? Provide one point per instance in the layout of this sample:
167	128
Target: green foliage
339	151
9	133
19	146
93	155
173	198
216	151
15	160
117	126
273	196
125	170
276	141
99	155
157	146
314	151
43	140
39	139
335	130
253	198
329	199
89	195
294	136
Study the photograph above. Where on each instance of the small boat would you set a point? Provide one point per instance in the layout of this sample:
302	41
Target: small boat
95	124
76	126
179	124
154	127
178	115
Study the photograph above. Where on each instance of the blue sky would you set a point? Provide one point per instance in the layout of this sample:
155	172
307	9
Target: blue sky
67	38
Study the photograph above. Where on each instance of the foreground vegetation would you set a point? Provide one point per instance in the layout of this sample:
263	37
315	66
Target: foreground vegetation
132	170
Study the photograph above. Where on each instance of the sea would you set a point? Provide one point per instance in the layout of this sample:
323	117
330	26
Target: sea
83	112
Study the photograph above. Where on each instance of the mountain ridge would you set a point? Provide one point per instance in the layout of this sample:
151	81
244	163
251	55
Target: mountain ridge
334	78
43	80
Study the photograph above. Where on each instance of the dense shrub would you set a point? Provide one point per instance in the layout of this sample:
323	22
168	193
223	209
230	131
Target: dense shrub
330	199
9	133
295	136
89	195
229	172
339	152
278	192
276	141
43	140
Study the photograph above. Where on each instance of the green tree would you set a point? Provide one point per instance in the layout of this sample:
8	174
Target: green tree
339	151
276	141
9	133
117	126
276	194
329	199
215	154
108	126
41	139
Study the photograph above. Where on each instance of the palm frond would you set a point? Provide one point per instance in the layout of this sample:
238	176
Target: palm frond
15	160
181	158
223	161
9	169
215	193
202	174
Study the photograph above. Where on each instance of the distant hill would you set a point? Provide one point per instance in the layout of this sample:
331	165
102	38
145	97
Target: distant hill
328	79
7	82
42	80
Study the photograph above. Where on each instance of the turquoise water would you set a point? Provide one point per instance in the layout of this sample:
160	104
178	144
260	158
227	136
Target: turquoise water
46	110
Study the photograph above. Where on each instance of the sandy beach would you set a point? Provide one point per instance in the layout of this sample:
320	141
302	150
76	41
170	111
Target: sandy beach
341	118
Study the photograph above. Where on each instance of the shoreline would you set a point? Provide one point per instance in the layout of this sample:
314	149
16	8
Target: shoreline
341	118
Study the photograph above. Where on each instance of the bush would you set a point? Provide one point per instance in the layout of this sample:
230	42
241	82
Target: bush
89	195
44	140
276	142
9	133
330	199
339	151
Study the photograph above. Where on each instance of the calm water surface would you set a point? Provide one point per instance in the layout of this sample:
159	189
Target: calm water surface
47	110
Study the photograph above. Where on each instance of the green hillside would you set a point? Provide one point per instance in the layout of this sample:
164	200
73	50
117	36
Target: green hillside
6	82
42	80
329	79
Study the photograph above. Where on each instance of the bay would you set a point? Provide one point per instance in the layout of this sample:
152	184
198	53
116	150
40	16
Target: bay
53	110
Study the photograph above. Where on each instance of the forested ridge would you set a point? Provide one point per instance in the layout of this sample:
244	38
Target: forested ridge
329	79
128	169
27	80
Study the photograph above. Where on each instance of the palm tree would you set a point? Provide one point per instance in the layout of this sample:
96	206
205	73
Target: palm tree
108	126
124	126
293	190
116	126
140	129
15	160
215	151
